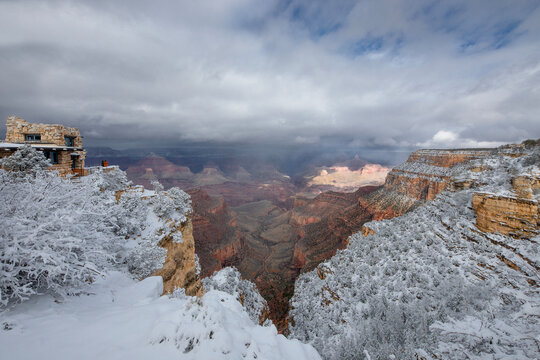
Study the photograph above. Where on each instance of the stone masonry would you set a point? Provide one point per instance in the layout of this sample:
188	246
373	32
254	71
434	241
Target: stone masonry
61	144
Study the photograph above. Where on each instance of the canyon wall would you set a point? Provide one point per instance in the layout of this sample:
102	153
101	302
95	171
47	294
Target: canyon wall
506	215
424	175
180	266
273	241
515	213
219	241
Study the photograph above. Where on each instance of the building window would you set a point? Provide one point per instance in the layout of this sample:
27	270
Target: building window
52	156
70	140
32	137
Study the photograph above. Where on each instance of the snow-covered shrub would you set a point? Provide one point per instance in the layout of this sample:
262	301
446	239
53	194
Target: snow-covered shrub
428	284
162	215
53	234
113	179
172	203
144	258
57	234
230	281
156	185
26	160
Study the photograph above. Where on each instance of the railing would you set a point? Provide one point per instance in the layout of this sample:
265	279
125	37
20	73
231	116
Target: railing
92	169
78	172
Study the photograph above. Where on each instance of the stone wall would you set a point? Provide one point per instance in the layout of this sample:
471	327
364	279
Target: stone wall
17	128
50	134
5	153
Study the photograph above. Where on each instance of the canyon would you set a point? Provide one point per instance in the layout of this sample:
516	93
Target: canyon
273	230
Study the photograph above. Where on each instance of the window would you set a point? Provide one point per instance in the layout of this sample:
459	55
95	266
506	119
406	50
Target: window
52	156
32	137
70	140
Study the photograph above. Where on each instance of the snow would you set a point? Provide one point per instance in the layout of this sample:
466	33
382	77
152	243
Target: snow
230	281
119	318
429	284
7	145
69	253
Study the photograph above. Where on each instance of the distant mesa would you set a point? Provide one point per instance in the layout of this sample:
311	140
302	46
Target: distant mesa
342	178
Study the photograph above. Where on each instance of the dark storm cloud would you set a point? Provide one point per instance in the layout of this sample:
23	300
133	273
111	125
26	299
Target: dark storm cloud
381	75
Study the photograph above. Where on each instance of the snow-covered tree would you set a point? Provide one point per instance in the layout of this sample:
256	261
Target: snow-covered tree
57	234
26	160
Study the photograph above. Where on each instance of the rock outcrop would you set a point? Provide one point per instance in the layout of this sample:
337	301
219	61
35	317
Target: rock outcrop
525	186
506	215
180	266
427	172
424	175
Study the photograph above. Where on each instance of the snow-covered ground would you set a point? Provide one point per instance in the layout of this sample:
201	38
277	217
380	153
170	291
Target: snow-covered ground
119	318
69	253
429	284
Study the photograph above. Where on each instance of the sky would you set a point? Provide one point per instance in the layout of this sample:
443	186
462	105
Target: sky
380	75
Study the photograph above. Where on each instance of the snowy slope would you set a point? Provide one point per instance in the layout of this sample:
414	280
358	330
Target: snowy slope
69	250
119	318
429	284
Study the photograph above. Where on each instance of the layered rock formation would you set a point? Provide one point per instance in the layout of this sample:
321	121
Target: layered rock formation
516	213
281	244
237	187
239	193
180	266
424	175
339	216
219	242
447	280
156	167
427	172
343	178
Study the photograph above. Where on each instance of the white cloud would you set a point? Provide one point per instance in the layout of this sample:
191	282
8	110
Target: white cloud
448	139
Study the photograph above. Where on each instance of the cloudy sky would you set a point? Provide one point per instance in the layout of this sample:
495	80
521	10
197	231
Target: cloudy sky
370	74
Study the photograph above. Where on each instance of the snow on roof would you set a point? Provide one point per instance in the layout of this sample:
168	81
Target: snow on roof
6	145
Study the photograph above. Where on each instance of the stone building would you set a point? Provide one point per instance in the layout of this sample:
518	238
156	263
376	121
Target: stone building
60	144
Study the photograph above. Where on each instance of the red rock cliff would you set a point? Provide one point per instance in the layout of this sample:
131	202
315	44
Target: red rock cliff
218	240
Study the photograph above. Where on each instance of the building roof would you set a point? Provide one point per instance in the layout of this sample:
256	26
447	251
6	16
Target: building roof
9	146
